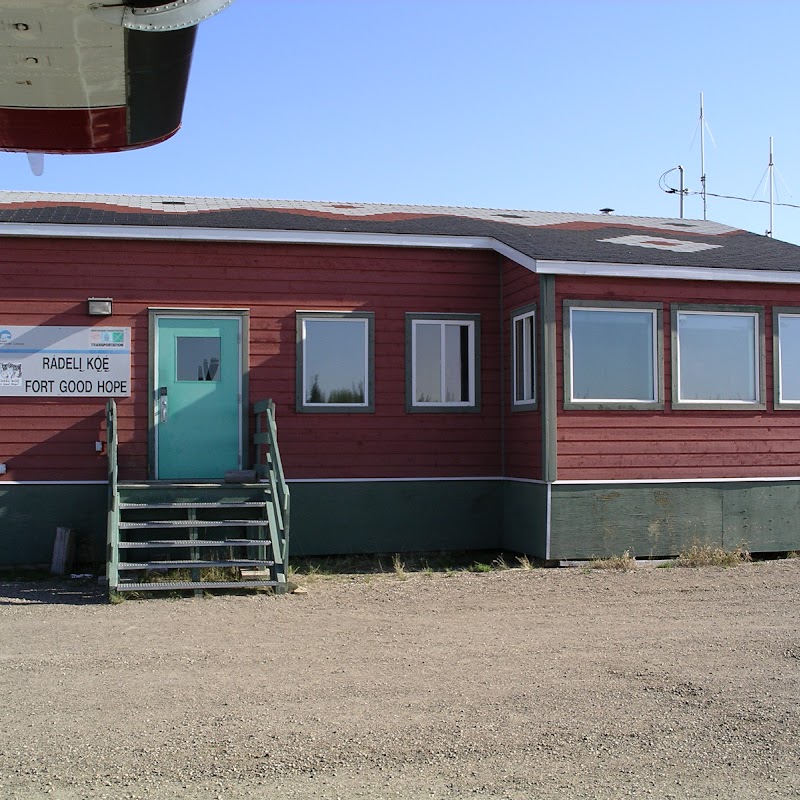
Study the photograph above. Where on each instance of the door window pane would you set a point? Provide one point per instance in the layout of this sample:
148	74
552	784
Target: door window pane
335	361
613	355
197	358
717	357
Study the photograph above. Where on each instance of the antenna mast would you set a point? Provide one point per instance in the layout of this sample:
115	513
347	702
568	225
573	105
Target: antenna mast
770	170
703	155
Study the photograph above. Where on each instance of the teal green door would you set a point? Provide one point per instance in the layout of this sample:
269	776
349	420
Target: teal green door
198	419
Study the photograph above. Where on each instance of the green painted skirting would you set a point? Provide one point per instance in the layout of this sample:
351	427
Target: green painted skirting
395	516
399	516
30	514
326	518
659	520
525	518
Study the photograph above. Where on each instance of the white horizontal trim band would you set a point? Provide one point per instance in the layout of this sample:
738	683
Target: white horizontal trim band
52	483
791	479
390	480
675	480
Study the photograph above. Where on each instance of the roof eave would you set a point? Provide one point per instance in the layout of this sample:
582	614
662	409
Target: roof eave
542	266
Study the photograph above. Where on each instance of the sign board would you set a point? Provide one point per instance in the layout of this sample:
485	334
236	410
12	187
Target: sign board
60	361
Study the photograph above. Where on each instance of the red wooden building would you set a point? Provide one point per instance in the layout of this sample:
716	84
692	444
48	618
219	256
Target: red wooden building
562	385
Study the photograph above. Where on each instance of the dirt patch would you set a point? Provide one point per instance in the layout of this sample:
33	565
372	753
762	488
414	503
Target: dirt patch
678	683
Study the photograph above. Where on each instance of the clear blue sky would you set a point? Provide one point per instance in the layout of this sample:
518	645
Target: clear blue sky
535	104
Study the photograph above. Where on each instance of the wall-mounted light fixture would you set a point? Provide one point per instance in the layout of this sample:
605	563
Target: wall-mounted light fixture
100	306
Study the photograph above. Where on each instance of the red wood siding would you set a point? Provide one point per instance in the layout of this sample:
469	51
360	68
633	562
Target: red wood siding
677	443
523	429
46	282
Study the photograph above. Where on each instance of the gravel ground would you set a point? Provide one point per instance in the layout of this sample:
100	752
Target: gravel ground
669	683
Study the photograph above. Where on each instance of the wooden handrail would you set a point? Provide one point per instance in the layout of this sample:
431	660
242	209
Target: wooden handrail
112	530
269	467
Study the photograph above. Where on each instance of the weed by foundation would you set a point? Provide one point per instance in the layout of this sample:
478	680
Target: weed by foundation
624	563
705	556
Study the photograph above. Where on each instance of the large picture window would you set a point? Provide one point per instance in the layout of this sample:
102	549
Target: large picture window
717	356
612	355
786	348
523	357
334	361
442	360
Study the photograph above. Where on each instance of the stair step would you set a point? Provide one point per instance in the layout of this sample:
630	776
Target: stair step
181	585
155	543
247	574
203	505
195	564
195	523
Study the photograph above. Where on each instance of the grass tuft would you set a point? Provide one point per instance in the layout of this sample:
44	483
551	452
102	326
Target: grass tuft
399	567
525	563
706	556
623	563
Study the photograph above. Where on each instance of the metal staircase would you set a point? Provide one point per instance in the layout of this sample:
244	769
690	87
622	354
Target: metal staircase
195	536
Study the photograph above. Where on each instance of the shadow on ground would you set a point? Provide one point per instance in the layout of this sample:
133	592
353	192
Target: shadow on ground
63	592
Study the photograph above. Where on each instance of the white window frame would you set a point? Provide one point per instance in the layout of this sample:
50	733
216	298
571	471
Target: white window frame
367	320
754	313
472	323
778	313
614	403
528	355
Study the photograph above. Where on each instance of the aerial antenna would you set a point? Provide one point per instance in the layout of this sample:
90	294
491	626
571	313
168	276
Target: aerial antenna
771	170
662	182
770	174
703	155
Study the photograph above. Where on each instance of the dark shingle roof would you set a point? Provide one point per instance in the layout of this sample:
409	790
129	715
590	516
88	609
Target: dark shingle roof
550	236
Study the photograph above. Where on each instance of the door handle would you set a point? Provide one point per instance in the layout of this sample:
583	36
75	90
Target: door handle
163	411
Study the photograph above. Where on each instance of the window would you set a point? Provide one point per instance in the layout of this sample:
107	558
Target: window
612	355
786	348
197	358
717	356
523	358
442	362
335	361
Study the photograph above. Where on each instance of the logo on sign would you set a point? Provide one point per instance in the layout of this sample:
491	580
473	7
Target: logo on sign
107	338
10	374
5	336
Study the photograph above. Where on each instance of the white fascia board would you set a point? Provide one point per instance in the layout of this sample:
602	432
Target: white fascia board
168	233
598	269
542	266
193	234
